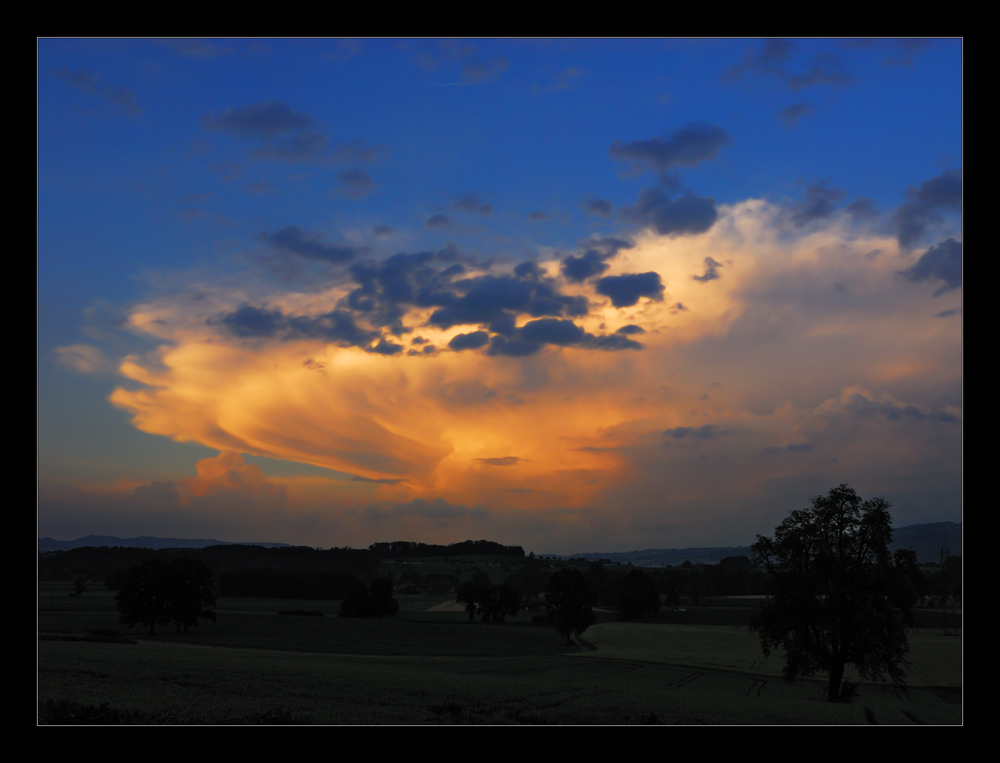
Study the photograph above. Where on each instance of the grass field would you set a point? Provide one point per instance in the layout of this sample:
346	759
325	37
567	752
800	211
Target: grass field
435	667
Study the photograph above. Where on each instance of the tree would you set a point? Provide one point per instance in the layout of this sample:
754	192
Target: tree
158	592
839	597
80	585
570	602
635	595
373	600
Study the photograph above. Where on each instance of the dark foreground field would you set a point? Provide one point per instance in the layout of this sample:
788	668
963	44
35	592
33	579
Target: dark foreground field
435	667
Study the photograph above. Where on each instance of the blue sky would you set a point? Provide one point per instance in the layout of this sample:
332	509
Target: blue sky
181	182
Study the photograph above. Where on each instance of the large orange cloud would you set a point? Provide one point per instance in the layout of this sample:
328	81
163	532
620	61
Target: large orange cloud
755	376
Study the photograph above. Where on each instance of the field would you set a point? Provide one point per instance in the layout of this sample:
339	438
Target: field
436	667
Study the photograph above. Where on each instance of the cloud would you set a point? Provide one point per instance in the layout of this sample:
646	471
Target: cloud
196	48
685	215
773	59
692	144
791	115
928	200
593	261
354	184
305	147
503	461
471	203
84	359
89	83
626	290
265	121
710	273
359	152
538	216
875	389
307	244
819	203
438	221
470	341
598	208
941	262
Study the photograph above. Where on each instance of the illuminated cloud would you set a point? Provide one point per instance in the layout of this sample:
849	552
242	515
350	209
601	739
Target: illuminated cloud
769	375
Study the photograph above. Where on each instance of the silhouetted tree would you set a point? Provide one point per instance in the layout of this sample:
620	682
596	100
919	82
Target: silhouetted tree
191	592
840	598
374	600
635	595
80	585
570	602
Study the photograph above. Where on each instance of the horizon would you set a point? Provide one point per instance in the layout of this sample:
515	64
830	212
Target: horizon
561	294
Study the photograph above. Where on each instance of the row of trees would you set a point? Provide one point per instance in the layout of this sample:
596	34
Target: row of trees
159	592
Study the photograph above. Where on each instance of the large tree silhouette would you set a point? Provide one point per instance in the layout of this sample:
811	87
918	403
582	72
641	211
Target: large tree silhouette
840	598
570	600
158	592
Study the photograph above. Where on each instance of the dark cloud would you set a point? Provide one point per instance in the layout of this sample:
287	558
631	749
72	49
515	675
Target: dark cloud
792	114
552	331
470	341
631	329
354	184
819	203
471	203
914	217
89	83
380	481
476	70
942	262
625	290
261	120
704	432
196	48
688	214
946	313
862	209
306	244
385	347
382	230
488	298
438	509
537	216
438	221
503	461
261	187
514	347
803	447
359	152
306	147
336	326
862	406
592	262
598	207
711	273
685	147
773	59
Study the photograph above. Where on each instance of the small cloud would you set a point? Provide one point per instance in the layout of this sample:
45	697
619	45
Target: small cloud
711	273
471	203
947	313
90	84
359	152
704	432
687	146
261	187
261	120
438	221
598	208
84	359
196	48
942	262
538	216
504	461
791	114
354	184
382	231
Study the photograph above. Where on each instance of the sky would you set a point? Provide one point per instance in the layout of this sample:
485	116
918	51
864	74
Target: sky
574	295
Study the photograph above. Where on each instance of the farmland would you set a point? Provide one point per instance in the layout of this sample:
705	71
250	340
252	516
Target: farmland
420	666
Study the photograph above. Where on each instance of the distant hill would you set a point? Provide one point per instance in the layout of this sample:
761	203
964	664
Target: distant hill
144	541
926	540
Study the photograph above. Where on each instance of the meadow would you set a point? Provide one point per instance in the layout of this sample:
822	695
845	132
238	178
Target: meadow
420	667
